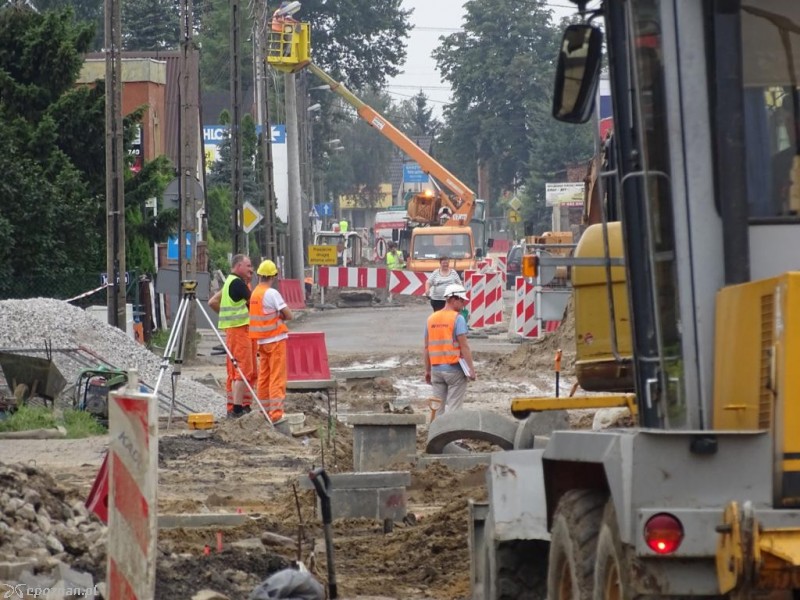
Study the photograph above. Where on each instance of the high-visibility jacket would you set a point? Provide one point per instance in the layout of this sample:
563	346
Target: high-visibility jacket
232	314
394	260
264	324
442	348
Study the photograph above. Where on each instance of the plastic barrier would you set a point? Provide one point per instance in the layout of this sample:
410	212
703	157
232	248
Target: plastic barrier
307	356
407	283
357	277
525	311
292	292
477	301
97	502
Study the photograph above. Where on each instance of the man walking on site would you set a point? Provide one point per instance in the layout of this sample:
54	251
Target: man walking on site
448	358
231	302
268	313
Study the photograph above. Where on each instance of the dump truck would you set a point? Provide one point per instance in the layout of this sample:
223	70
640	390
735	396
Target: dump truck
446	221
702	496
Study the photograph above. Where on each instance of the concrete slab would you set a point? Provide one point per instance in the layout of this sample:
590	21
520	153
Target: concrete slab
481	425
359	373
377	496
201	520
386	419
515	487
311	384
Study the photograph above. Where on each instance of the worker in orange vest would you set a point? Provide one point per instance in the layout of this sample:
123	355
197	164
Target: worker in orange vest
268	314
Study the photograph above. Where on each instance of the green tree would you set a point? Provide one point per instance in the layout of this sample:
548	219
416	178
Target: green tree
414	116
501	69
150	25
88	11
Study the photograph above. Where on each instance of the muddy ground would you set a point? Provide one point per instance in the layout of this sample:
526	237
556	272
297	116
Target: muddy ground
244	467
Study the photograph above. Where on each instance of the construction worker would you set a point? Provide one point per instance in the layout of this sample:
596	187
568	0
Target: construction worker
282	26
394	257
231	302
268	313
448	358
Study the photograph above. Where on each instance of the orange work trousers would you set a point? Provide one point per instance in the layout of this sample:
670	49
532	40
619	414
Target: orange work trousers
272	378
243	348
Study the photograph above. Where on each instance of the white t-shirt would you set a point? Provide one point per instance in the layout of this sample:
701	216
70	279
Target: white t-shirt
273	302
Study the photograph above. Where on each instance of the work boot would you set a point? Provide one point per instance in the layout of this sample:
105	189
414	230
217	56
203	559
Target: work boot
238	411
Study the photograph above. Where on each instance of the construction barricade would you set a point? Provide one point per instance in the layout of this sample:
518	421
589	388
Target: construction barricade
407	283
525	321
307	356
293	293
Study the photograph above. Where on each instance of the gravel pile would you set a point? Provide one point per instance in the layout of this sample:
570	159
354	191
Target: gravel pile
45	535
33	322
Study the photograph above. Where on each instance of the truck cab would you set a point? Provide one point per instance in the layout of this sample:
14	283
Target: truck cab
430	244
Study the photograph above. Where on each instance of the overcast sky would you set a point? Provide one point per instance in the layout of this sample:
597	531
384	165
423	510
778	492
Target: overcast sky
432	19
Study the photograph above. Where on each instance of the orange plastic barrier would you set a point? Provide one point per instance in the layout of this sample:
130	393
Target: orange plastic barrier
292	292
307	356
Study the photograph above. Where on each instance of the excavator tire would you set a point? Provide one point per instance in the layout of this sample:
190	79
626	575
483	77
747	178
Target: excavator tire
573	544
521	570
612	565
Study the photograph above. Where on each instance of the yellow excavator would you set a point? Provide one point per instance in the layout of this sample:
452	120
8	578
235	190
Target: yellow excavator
700	274
446	221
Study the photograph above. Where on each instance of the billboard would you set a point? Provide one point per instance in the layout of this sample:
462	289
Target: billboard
213	136
564	194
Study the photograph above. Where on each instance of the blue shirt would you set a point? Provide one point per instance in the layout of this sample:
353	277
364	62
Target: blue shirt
459	329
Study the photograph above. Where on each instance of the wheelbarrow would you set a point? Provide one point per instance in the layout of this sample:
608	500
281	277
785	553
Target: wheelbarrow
40	375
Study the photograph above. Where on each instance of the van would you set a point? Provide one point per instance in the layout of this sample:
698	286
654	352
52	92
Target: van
513	266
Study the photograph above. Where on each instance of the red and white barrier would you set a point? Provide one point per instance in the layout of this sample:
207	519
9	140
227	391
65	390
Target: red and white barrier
502	268
407	283
493	299
525	311
355	277
477	299
133	480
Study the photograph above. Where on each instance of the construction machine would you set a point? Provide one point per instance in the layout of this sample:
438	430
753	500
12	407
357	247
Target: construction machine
702	496
446	221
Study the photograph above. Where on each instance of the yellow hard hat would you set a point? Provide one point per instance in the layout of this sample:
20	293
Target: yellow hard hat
267	268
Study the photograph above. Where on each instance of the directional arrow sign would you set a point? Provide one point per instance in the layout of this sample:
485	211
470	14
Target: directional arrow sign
250	217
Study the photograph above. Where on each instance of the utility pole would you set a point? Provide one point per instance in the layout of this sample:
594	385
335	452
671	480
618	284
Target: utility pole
295	200
269	240
189	122
235	129
115	163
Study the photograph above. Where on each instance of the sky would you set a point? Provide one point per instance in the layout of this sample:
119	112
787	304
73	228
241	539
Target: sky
432	19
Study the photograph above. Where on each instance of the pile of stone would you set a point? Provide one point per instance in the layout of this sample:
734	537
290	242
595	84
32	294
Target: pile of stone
50	546
30	323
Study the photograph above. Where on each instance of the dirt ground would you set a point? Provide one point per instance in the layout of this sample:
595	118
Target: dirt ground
244	467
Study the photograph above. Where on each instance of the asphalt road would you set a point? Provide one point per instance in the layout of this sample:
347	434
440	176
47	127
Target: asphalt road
384	329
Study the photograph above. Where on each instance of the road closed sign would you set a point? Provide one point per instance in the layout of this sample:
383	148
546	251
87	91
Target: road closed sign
322	255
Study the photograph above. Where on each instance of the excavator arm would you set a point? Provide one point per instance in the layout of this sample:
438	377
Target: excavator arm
460	202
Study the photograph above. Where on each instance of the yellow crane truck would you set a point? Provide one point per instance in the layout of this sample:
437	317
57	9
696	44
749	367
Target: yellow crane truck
702	496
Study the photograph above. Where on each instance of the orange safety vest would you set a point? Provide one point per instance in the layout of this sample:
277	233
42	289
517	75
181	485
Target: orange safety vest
442	349
264	324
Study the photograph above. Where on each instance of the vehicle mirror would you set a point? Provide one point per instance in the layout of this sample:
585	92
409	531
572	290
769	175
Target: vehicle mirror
490	242
479	253
577	73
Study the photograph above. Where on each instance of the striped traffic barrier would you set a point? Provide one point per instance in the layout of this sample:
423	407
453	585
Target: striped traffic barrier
477	310
407	283
502	268
356	277
133	480
524	313
492	298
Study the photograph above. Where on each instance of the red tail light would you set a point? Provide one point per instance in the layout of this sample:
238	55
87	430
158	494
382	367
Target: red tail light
663	533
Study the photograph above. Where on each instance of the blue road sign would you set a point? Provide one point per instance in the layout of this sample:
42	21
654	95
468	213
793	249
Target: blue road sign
413	173
172	246
324	210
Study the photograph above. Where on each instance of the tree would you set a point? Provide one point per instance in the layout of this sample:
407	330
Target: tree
87	11
414	117
150	25
501	67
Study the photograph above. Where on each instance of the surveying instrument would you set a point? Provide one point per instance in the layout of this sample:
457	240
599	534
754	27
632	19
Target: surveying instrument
176	343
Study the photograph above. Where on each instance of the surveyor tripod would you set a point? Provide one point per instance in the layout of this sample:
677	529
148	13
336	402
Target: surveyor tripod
176	344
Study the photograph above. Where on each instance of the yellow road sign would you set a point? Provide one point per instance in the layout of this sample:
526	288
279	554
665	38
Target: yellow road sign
250	217
322	255
514	216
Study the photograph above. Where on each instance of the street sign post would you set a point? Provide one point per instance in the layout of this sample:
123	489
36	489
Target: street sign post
322	255
250	217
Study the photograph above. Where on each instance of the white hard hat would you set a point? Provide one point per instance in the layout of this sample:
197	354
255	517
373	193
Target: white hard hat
455	290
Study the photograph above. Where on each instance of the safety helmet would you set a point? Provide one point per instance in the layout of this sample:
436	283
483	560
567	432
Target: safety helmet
455	290
267	268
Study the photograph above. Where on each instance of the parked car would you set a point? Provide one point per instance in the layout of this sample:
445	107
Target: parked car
513	266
